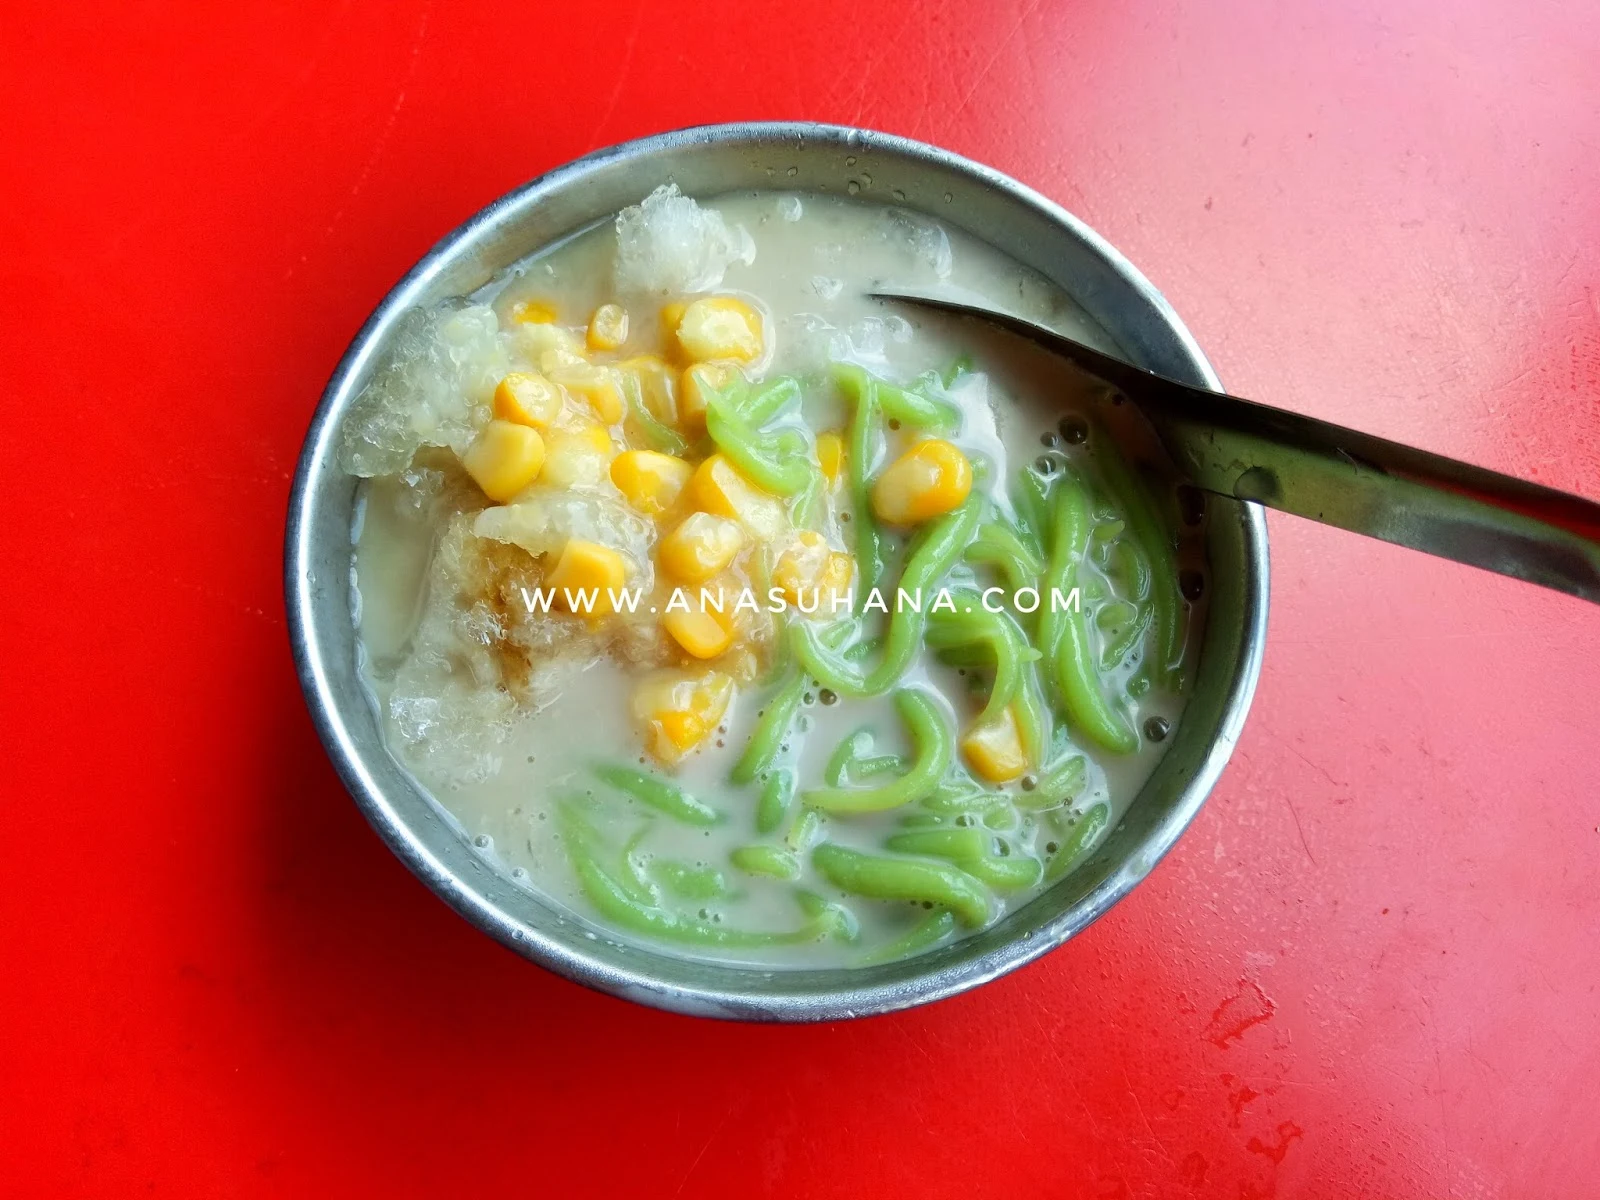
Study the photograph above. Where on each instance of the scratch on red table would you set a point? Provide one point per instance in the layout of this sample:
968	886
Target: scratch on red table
1048	1041
711	1137
906	1033
983	72
875	57
922	107
621	73
1315	766
296	87
1300	829
381	142
1127	1082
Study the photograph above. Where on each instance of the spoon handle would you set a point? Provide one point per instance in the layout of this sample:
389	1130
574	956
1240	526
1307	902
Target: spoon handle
1340	477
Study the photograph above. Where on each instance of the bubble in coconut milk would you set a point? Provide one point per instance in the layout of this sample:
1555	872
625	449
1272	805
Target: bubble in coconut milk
1074	430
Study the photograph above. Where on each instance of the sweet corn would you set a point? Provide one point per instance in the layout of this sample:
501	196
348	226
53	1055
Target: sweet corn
931	478
600	386
700	546
533	312
578	454
700	382
584	575
560	358
658	385
652	482
504	459
673	734
994	750
553	344
527	400
671	315
679	712
830	456
811	574
717	487
744	664
608	327
701	631
720	327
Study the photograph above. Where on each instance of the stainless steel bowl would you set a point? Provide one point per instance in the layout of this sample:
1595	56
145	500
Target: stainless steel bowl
705	162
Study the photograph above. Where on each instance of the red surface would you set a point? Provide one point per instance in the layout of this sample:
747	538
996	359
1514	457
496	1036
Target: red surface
1369	969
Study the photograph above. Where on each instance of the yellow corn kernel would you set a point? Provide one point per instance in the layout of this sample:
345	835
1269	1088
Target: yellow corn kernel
676	733
700	547
652	482
671	315
931	478
504	459
594	435
608	327
699	383
559	358
584	576
744	664
830	456
701	630
717	487
534	312
555	343
720	327
527	400
811	574
658	385
679	712
600	386
994	750
578	454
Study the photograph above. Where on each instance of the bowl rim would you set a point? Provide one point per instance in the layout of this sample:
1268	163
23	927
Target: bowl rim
772	1004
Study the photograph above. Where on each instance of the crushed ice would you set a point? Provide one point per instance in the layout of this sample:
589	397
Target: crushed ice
669	245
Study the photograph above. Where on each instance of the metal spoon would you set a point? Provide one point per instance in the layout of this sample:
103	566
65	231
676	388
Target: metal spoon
1310	468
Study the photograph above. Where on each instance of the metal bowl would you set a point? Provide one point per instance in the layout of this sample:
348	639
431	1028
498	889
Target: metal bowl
705	162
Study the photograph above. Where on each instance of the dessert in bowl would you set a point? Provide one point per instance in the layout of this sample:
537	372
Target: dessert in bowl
723	638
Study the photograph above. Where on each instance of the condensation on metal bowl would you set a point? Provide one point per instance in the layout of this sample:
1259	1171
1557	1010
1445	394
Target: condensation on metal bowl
706	162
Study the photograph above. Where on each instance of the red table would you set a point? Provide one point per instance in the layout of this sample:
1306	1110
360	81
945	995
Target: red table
1369	969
